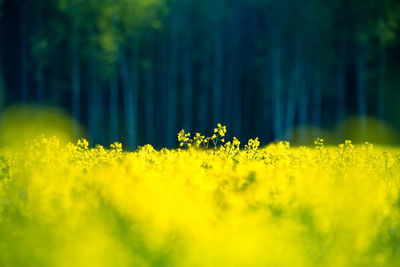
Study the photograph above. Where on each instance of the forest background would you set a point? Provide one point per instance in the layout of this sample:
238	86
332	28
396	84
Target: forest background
138	71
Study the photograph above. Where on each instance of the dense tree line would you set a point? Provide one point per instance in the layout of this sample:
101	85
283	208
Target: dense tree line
140	70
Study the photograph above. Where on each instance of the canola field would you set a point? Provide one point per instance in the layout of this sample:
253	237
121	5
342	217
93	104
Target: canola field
212	202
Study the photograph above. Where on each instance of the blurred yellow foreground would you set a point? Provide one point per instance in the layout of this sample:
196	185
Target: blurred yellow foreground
209	203
23	123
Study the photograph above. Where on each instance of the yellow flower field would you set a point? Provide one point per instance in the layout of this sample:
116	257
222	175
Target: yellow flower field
209	203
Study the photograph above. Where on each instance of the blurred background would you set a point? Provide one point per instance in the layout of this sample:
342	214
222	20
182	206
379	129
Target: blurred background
138	71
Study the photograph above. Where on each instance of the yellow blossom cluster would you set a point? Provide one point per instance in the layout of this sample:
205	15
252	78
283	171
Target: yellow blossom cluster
223	205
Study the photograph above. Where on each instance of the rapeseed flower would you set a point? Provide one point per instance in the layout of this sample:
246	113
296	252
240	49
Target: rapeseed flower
75	205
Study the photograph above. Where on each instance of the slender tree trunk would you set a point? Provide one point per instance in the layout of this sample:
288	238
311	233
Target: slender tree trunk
187	70
40	93
230	77
381	84
361	86
218	65
75	76
292	102
290	114
113	109
204	85
317	106
130	83
248	91
186	67
292	95
237	74
342	87
23	53
187	75
161	97
56	94
267	106
100	114
228	87
150	92
172	96
248	71
2	85
93	98
277	92
275	28
303	104
96	105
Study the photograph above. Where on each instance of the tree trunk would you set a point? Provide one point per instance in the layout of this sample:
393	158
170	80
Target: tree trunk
93	103
150	92
172	96
203	96
55	84
317	106
293	94
130	82
303	104
361	87
229	85
290	114
292	101
187	72
161	97
2	85
341	72
218	65
96	104
277	92
381	83
237	71
40	94
99	104
248	71
187	82
75	76
266	103
23	54
113	109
